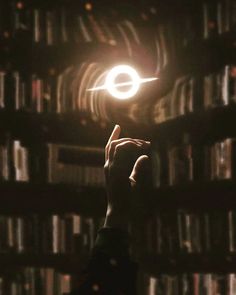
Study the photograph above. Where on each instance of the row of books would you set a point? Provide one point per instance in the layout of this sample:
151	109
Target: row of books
220	87
214	161
83	165
68	91
53	163
60	24
195	283
218	17
76	165
65	90
59	91
35	92
40	281
191	232
206	20
180	164
220	160
73	94
62	92
86	23
217	89
48	234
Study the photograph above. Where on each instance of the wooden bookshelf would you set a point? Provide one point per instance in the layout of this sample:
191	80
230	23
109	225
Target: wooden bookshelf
210	54
204	126
62	262
196	196
48	198
53	127
177	263
189	263
17	198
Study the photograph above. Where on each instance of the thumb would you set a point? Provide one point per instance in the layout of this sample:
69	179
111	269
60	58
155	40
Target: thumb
142	172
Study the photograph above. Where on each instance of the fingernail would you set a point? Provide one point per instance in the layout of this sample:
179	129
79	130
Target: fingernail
148	142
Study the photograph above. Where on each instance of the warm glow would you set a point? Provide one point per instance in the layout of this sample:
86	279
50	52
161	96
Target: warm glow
111	85
20	5
134	83
88	6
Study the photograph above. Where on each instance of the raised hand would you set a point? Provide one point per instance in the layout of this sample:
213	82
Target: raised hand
124	160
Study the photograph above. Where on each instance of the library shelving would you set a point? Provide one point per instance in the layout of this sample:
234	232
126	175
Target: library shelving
41	44
189	263
212	124
19	197
22	197
65	263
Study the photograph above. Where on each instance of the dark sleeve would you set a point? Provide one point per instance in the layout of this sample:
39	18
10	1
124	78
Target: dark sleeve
110	270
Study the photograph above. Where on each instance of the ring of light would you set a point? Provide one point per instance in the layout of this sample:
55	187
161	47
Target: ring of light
111	86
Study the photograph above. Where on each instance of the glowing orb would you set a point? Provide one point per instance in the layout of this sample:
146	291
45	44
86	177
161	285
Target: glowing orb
111	85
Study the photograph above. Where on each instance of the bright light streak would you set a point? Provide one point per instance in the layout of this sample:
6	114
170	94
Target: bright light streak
111	78
111	86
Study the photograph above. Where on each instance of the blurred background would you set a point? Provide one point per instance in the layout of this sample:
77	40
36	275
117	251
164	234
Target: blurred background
53	133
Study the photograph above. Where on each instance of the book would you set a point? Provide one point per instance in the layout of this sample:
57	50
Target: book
193	283
31	280
68	233
76	164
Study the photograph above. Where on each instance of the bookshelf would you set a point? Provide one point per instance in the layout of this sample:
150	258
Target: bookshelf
203	125
211	54
190	263
155	265
23	197
45	128
64	263
197	196
19	198
191	41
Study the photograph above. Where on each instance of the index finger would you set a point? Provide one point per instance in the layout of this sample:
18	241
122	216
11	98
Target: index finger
115	134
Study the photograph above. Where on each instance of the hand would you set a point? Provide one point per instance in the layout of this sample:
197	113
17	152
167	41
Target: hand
125	160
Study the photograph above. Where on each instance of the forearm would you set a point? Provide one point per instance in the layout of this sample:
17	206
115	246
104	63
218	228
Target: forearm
110	270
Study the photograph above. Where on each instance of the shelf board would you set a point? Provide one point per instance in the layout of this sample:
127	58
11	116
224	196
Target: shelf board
189	263
19	197
62	262
152	264
211	54
204	126
53	127
207	195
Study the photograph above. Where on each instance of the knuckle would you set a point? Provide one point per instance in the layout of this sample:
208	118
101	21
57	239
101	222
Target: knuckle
106	165
126	146
112	144
112	167
116	170
118	149
106	170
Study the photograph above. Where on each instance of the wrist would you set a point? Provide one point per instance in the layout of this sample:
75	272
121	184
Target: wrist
113	242
116	220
